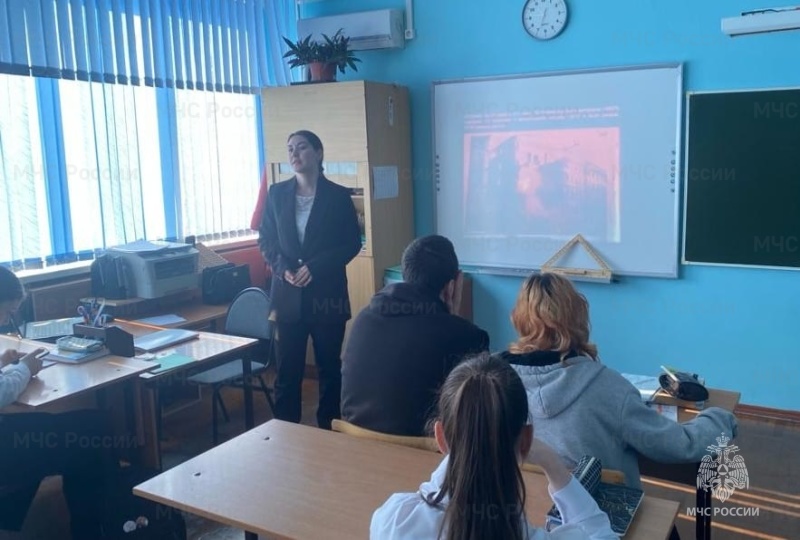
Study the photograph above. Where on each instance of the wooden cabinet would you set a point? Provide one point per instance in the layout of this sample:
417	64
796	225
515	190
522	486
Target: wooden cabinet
366	133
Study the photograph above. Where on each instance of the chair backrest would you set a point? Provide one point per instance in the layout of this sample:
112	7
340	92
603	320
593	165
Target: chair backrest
423	443
607	476
248	315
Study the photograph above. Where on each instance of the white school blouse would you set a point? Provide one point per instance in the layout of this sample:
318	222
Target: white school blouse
13	380
406	516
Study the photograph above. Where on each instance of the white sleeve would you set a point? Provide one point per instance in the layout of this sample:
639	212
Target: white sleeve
580	514
13	380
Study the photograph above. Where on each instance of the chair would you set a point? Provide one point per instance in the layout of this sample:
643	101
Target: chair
247	317
423	443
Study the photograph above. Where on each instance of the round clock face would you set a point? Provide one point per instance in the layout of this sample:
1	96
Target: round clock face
544	19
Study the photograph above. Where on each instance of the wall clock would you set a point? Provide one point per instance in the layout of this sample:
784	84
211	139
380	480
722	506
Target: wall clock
545	19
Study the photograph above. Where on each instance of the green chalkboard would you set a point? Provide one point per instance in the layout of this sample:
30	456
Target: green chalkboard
742	178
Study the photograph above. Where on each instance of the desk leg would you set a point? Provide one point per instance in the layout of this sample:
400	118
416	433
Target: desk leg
247	375
151	449
703	522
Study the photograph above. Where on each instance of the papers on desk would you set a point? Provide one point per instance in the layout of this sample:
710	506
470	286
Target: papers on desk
50	329
669	411
73	357
170	359
162	320
647	385
163	338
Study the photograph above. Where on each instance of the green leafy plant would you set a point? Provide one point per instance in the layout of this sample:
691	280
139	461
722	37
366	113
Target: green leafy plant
336	50
302	52
333	50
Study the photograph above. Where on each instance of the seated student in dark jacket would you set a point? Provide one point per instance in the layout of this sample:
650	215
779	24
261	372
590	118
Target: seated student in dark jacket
404	344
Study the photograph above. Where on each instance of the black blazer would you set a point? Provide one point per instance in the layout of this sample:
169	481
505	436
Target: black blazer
332	239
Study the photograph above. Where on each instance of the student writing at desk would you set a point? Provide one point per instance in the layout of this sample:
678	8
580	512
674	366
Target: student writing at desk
581	407
477	491
36	445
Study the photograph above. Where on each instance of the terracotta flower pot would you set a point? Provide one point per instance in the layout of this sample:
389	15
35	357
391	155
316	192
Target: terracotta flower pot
322	72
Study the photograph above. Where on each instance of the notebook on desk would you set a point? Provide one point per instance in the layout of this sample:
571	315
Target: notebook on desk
163	338
50	329
618	501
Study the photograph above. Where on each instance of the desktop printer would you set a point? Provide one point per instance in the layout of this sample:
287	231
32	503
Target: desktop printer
158	268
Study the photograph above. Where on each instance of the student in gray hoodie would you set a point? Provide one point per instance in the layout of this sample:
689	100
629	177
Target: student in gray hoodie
581	407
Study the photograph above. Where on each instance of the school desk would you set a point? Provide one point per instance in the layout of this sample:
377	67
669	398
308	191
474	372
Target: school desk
207	351
291	481
686	473
58	382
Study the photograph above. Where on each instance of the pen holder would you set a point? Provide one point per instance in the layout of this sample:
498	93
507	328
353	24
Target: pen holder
117	340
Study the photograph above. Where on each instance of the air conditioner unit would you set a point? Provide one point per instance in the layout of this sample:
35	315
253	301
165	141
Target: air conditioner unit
762	21
380	29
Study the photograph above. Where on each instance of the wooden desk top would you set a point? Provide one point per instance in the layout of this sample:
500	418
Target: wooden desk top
287	480
60	381
208	347
716	398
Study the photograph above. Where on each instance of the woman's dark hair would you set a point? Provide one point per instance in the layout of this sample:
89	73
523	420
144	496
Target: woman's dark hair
10	286
483	409
312	139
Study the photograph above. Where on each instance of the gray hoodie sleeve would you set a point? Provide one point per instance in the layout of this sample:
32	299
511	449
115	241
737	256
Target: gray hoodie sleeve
666	441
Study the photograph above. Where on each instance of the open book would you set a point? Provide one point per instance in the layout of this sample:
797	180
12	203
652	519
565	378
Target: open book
618	501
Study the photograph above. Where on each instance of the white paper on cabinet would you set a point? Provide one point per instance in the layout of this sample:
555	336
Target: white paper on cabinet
385	182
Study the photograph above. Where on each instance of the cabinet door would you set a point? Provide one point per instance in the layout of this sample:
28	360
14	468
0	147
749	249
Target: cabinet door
334	111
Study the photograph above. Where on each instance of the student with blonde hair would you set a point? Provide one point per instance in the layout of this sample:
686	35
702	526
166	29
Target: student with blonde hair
581	407
478	491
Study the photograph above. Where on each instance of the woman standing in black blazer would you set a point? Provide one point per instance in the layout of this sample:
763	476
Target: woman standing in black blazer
308	234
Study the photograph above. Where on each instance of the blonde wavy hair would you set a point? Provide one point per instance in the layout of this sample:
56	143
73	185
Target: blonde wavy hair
551	315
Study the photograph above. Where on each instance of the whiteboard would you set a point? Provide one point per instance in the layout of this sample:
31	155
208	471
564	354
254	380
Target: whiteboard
524	163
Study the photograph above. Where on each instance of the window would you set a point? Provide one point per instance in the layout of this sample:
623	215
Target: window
89	165
23	198
218	156
113	163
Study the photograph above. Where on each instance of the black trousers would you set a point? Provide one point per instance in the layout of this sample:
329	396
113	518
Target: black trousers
75	445
291	343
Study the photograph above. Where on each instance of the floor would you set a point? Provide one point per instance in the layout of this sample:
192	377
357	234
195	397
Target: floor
770	451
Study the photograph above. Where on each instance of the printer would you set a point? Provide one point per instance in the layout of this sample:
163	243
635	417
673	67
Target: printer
159	268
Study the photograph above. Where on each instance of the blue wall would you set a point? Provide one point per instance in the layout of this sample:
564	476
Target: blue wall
737	327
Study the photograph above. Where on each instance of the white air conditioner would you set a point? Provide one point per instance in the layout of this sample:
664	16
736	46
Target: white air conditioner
380	29
777	20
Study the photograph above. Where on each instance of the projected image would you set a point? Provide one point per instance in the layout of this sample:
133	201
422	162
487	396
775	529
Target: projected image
550	183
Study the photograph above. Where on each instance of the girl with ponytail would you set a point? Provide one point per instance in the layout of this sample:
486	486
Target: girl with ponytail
478	492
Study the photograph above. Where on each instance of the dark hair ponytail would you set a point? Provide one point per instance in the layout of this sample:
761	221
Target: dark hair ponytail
483	409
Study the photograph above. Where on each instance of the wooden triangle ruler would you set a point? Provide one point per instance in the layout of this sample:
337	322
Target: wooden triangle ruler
600	274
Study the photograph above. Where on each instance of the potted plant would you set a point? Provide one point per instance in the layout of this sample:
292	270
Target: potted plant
322	58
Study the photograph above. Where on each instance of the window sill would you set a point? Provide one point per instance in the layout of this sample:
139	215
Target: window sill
81	268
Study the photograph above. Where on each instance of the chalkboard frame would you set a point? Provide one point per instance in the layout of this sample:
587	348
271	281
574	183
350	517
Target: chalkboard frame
687	185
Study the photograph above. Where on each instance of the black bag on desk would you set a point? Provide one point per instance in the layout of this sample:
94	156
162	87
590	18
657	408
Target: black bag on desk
110	278
222	283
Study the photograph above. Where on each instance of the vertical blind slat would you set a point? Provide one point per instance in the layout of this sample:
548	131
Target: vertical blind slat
221	45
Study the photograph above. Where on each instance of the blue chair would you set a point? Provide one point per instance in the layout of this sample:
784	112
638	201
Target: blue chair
248	316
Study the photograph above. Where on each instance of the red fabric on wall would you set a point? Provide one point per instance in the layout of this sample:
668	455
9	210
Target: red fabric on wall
255	221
